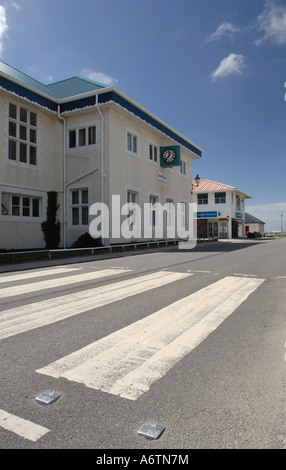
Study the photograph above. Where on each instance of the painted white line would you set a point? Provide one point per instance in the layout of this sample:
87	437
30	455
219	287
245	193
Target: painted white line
35	274
129	361
21	426
27	317
59	282
197	271
245	275
280	277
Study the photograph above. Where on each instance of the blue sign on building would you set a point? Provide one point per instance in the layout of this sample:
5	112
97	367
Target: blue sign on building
206	215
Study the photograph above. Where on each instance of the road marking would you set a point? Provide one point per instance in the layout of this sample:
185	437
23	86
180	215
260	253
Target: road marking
245	275
35	274
280	277
59	282
27	317
21	427
129	361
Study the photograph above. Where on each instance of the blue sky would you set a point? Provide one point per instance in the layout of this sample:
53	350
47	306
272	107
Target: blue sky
214	70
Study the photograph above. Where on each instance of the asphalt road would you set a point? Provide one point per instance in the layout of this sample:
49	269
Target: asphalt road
194	341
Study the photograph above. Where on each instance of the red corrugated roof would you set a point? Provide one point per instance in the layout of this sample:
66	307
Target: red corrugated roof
208	185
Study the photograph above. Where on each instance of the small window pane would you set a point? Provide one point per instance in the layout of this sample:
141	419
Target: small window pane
72	139
84	196
134	144
81	137
33	119
91	135
75	197
36	208
33	155
12	111
5	204
23	153
12	129
84	215
23	115
23	133
33	136
12	150
75	216
15	205
26	207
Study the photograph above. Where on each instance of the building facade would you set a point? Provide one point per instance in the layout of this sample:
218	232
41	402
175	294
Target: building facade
87	142
220	210
253	224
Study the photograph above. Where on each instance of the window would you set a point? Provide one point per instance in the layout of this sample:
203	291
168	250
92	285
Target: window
22	130
20	205
79	207
154	217
203	199
153	153
82	137
132	143
183	170
237	203
170	214
133	215
220	198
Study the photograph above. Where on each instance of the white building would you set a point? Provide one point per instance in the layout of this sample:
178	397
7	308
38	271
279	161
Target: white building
87	142
253	224
221	210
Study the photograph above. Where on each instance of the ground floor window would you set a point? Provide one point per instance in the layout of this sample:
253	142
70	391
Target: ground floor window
17	205
79	207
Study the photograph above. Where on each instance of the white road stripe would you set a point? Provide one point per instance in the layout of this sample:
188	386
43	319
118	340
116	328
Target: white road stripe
20	319
34	274
21	426
129	361
59	282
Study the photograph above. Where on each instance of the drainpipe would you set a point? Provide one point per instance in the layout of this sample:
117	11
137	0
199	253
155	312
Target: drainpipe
102	175
64	179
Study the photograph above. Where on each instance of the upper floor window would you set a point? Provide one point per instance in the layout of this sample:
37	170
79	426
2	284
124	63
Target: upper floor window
82	137
238	207
220	198
23	135
202	198
132	143
183	169
153	153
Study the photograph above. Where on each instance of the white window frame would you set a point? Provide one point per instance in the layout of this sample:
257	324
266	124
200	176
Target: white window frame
82	131
80	205
154	153
183	168
23	134
132	143
8	206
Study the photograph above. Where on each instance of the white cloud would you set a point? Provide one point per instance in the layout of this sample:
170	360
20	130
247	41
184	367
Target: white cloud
233	64
3	27
225	29
98	77
272	21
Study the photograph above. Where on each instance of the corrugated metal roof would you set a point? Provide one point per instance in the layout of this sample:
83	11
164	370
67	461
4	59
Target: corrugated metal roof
250	219
24	79
62	89
73	86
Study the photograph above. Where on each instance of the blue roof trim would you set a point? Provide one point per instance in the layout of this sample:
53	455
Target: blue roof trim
78	104
25	93
112	96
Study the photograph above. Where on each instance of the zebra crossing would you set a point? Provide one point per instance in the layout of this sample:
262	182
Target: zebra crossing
129	361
